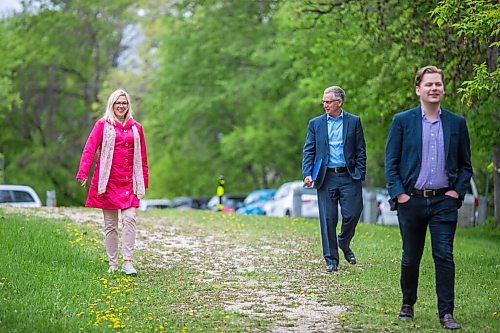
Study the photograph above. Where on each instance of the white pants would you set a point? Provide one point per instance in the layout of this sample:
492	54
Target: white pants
111	234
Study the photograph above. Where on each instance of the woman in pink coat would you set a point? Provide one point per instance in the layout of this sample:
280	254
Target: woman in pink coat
120	177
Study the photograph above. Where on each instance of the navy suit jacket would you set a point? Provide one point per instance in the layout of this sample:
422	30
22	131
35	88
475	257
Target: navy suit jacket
403	152
316	147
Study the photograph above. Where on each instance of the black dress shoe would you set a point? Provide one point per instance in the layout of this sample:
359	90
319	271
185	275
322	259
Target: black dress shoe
406	312
349	256
331	268
449	323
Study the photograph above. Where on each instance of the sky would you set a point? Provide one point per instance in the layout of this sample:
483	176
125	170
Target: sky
9	5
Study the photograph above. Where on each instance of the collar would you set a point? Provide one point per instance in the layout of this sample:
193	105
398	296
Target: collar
127	125
341	116
423	114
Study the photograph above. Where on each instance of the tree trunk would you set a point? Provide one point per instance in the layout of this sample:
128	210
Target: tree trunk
492	54
496	182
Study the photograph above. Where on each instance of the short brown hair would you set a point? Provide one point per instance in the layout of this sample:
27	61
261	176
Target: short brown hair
427	70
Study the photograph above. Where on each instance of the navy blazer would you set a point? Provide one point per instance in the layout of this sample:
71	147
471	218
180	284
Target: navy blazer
403	152
316	147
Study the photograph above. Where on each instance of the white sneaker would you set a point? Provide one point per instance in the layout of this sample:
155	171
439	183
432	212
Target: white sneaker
112	269
128	269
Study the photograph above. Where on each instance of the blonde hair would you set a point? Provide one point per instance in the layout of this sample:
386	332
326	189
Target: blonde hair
109	114
427	70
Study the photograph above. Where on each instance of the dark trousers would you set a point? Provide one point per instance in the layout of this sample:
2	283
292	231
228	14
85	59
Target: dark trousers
440	214
338	188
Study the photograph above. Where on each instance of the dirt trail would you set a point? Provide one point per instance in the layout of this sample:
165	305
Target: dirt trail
294	304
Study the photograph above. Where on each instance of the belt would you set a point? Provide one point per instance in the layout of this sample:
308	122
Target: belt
337	170
429	193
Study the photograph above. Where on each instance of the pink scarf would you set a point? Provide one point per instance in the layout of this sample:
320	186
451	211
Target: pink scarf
107	150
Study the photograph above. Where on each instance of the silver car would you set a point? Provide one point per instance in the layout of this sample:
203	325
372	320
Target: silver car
282	204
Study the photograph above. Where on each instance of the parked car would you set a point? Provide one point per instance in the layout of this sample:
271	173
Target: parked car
385	215
154	204
19	196
187	203
467	214
254	202
282	204
230	202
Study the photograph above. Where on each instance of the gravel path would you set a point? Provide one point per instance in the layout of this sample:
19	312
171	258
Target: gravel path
293	304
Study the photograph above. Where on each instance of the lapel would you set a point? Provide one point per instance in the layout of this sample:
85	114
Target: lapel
324	129
345	125
417	118
446	132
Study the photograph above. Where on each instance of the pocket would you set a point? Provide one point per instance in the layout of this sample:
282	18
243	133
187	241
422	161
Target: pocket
404	206
447	209
404	203
457	201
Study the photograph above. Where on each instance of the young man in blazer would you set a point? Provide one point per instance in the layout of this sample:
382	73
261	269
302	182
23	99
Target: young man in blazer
427	169
335	148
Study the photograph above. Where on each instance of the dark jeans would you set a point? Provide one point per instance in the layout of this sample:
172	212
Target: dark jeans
338	188
440	214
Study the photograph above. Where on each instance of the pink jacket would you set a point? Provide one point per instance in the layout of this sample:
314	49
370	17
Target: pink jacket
119	190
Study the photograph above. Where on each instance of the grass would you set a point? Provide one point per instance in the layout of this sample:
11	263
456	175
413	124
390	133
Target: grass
210	272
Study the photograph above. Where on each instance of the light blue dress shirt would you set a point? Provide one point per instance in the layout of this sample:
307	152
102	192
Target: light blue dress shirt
335	143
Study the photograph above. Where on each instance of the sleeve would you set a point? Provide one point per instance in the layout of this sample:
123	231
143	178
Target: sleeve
360	150
309	151
464	160
393	150
93	142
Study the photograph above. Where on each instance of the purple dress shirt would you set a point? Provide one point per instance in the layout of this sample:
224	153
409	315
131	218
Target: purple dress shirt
432	170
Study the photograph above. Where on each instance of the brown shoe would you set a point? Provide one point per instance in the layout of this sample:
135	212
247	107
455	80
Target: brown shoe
406	312
449	323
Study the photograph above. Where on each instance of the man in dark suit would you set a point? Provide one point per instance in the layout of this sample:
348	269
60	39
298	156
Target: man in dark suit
427	169
335	143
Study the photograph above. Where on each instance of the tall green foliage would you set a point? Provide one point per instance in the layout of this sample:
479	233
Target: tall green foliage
227	87
61	53
215	99
373	49
239	80
477	22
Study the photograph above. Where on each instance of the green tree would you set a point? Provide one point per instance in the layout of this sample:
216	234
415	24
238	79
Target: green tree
62	50
373	49
213	101
479	20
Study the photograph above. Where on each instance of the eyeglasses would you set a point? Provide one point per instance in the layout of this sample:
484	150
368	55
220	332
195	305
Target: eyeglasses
121	103
330	102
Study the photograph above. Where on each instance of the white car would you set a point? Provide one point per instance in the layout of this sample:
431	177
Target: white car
467	214
385	215
154	204
19	196
282	204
